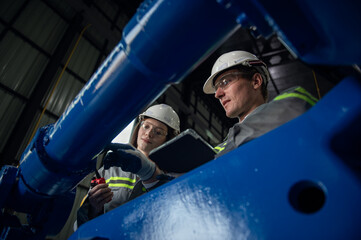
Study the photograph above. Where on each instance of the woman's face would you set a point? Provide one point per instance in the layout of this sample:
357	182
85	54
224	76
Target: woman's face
151	134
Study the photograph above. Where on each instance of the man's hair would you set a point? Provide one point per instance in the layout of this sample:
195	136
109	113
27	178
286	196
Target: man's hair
248	72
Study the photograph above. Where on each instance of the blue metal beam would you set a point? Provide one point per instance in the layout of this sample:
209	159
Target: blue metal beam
156	50
310	191
164	41
136	72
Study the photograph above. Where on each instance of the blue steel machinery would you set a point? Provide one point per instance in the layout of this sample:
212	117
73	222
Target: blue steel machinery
305	184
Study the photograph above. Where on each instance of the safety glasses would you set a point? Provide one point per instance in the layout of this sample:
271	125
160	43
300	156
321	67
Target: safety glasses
155	130
227	80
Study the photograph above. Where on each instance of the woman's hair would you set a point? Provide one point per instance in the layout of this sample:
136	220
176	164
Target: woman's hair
133	138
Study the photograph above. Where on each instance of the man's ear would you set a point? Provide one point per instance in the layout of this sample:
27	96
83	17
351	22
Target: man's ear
257	80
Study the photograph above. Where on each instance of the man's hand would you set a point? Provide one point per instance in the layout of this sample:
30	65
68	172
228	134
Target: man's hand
130	160
98	196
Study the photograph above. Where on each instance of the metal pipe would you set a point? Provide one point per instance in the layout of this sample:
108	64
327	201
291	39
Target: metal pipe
150	56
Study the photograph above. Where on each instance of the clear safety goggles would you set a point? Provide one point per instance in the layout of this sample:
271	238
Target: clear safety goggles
226	80
159	132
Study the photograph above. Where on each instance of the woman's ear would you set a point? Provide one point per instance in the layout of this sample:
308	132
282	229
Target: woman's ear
257	80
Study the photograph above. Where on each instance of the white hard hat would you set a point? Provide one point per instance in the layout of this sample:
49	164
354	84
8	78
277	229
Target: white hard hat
163	113
232	59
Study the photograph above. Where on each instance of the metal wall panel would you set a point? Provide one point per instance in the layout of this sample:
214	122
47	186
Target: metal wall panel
21	64
203	109
97	38
26	47
122	21
10	109
41	25
63	9
217	125
84	59
9	8
108	7
64	93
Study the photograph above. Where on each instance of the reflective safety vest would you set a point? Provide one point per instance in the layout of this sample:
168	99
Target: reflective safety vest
288	105
121	184
297	92
220	147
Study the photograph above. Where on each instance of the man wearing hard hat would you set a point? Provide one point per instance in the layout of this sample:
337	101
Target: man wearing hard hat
239	81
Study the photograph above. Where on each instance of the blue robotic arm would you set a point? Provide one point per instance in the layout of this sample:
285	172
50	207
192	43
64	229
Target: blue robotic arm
164	41
137	71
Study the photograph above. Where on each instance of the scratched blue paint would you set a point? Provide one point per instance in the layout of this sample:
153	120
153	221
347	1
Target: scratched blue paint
244	194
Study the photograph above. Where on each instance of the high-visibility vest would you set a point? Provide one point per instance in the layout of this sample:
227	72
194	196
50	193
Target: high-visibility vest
286	106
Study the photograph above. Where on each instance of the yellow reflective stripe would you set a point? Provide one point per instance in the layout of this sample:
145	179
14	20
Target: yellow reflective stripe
82	201
218	149
304	91
120	185
297	95
121	178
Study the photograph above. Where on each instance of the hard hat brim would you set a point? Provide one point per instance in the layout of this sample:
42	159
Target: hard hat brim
208	87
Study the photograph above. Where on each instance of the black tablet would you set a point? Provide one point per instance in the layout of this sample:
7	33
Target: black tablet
183	153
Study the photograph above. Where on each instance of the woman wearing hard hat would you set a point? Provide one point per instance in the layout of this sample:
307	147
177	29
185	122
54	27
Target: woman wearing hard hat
126	168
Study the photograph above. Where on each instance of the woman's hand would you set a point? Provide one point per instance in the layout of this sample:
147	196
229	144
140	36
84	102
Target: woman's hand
130	160
98	196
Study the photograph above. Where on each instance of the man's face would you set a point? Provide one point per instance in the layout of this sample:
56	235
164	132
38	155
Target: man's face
235	93
151	134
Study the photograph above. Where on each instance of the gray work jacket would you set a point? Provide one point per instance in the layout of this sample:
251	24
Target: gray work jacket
290	104
121	183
